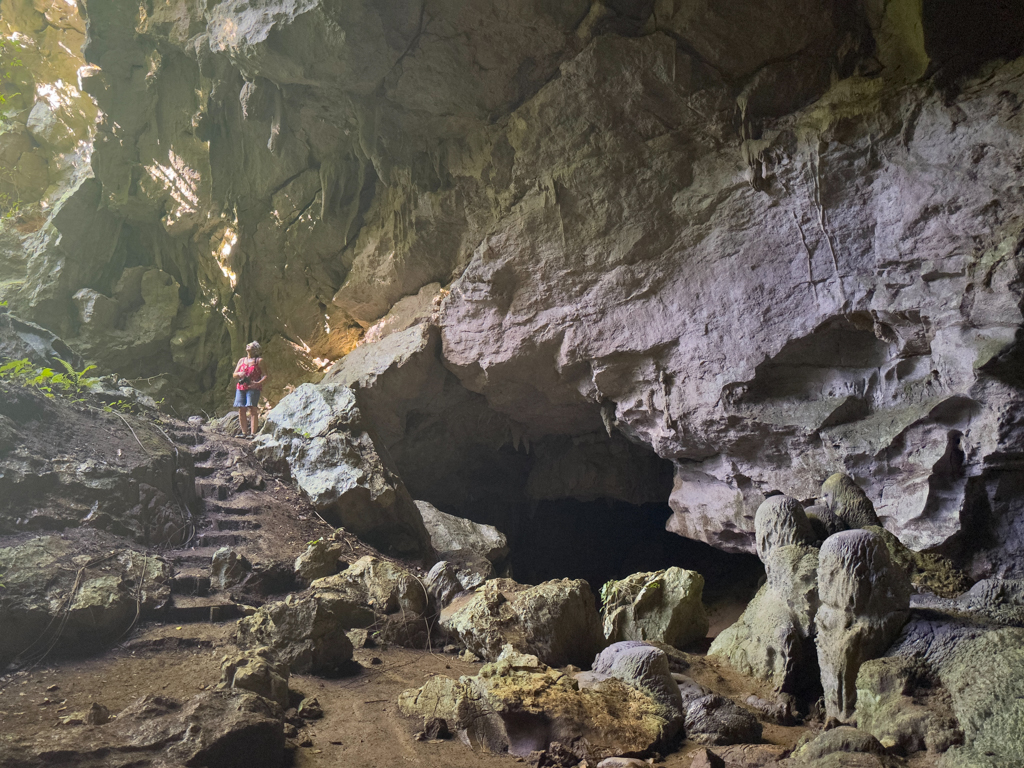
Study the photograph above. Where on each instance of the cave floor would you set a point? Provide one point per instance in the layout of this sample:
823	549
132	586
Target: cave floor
361	725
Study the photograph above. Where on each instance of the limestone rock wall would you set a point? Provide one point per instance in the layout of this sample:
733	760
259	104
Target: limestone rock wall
763	241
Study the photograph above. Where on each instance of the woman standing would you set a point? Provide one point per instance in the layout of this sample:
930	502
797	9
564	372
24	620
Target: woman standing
250	375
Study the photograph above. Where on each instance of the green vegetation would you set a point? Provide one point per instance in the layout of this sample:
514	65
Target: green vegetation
10	52
71	384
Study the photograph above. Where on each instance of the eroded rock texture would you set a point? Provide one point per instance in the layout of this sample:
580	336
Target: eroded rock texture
747	239
864	604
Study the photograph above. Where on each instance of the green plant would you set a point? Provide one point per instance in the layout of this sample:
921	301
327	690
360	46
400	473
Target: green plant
74	383
120	406
71	384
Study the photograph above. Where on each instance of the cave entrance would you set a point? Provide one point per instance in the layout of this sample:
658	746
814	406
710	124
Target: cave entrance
609	539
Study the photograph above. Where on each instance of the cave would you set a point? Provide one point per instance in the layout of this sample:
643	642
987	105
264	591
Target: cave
607	539
643	376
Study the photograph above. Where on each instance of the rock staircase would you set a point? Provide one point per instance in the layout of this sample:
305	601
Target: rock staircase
236	503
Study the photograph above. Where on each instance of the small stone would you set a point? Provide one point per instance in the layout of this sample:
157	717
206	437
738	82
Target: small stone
450	649
375	661
360	638
306	742
97	714
290	731
469	656
310	709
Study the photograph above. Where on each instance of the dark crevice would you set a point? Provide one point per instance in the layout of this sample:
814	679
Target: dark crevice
607	539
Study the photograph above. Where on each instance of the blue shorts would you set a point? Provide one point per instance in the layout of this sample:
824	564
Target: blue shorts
246	398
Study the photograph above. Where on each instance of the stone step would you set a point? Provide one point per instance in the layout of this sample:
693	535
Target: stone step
196	556
212	489
192	608
215	507
217	539
203	470
201	454
234	524
193	581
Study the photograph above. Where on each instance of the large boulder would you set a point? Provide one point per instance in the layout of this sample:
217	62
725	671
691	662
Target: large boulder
664	606
953	674
715	720
75	592
63	467
557	621
478	551
320	558
396	602
519	705
865	601
229	728
902	704
985	680
307	632
257	670
644	667
317	436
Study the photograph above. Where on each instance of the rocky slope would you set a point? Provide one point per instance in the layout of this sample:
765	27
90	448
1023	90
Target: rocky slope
746	245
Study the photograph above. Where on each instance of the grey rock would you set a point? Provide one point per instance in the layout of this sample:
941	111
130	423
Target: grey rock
842	740
257	670
306	632
865	602
780	521
478	551
984	680
847	502
904	707
43	592
442	582
393	601
714	720
317	436
644	667
622	762
665	606
557	621
773	640
228	568
320	559
20	339
231	728
310	709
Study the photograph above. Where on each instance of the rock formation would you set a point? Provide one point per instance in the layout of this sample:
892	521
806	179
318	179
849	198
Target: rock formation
519	705
847	503
556	621
723	239
317	436
664	606
864	604
773	640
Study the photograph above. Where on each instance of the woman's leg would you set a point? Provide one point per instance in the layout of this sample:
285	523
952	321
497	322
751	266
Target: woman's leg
254	412
242	418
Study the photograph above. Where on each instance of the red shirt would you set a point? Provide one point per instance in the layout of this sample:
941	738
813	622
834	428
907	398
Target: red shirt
252	370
